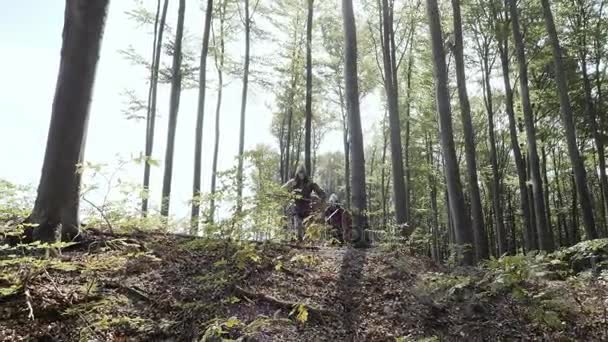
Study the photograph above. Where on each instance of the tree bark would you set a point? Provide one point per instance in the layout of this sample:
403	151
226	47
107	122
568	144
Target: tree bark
545	237
57	199
198	144
151	117
346	142
501	233
308	124
461	220
354	119
176	87
239	172
219	65
392	99
481	242
580	175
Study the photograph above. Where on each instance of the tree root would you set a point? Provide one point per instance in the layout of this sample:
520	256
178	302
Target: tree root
314	313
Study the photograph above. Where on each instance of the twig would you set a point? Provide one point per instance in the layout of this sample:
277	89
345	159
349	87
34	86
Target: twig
101	212
314	312
28	301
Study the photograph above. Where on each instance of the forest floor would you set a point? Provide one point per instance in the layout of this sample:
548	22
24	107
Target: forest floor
155	287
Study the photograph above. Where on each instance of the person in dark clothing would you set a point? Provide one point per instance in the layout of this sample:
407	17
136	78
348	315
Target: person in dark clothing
338	218
303	187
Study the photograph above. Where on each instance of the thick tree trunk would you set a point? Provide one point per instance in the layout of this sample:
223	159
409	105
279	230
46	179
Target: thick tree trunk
159	29
308	124
481	242
580	175
239	170
57	200
200	116
545	237
461	220
354	119
392	99
176	88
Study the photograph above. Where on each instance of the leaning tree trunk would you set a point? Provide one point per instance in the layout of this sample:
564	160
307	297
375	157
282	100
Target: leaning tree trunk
239	170
57	200
580	175
176	88
392	99
354	119
481	242
545	238
459	215
308	124
159	29
200	116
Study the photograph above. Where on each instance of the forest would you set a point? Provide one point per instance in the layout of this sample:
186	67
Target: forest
455	149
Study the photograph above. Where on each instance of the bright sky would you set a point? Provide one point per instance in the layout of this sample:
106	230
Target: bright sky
30	32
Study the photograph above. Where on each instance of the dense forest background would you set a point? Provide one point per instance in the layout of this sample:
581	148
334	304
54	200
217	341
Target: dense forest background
464	139
525	160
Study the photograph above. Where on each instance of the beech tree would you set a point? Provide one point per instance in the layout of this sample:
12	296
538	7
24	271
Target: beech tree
57	204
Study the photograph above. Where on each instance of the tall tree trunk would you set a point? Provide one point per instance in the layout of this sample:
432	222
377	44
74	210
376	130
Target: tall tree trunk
580	175
545	237
408	108
159	27
198	144
528	231
58	191
481	242
501	234
308	125
433	199
592	120
460	218
239	170
176	88
546	193
392	99
346	142
354	119
219	65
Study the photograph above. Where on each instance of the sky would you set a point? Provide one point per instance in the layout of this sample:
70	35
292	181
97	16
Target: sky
30	32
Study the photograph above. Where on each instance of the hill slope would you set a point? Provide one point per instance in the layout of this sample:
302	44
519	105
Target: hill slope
172	288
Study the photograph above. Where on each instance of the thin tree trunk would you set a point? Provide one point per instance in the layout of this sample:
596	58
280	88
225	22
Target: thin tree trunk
176	87
392	99
546	193
57	199
354	119
460	218
545	238
408	108
346	141
198	144
219	65
308	124
501	233
528	232
239	173
159	29
481	243
568	122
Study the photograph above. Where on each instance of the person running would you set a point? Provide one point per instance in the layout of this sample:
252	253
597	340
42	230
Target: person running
303	187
